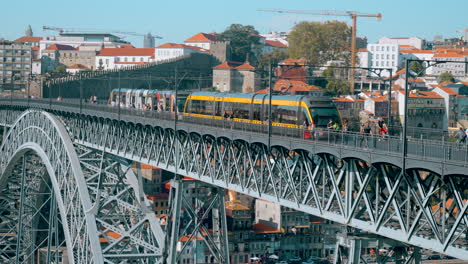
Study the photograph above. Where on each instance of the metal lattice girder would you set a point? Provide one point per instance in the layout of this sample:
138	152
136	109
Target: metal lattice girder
102	218
192	204
419	207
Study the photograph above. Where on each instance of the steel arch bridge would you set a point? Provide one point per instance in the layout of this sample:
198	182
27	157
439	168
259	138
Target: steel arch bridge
424	207
101	214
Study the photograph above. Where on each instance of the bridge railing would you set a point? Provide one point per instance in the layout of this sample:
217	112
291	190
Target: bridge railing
417	147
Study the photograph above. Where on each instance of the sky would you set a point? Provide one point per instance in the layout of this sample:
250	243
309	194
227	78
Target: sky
178	20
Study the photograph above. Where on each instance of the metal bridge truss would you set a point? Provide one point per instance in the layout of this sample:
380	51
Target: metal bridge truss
59	199
418	207
192	204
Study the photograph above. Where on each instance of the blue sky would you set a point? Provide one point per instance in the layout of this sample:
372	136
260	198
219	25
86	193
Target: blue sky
178	20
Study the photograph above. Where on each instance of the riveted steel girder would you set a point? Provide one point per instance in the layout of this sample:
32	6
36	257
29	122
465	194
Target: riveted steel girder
418	207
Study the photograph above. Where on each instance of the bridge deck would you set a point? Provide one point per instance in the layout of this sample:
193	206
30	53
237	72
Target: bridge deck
439	156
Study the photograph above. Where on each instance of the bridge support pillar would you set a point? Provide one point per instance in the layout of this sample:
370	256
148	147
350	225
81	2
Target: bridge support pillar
352	249
196	223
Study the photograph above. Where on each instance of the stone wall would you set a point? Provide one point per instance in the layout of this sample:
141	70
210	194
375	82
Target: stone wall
193	72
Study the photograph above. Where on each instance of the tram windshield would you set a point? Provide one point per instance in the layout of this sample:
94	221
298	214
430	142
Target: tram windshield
322	115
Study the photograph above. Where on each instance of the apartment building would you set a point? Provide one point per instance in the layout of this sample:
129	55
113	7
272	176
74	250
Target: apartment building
15	65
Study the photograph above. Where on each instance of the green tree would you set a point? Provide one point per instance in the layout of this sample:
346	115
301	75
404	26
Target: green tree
274	57
446	77
333	86
416	67
320	42
60	68
243	40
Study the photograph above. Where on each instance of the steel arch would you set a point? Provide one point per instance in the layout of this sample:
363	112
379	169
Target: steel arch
44	134
82	180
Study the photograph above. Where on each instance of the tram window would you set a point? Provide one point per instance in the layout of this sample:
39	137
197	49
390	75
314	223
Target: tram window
286	114
257	110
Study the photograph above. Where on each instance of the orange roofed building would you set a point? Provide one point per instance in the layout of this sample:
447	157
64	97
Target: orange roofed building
236	77
426	109
116	58
170	51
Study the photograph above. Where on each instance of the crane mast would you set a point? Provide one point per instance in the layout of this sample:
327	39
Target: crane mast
353	14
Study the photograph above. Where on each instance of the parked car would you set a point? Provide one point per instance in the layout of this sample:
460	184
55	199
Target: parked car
433	257
283	262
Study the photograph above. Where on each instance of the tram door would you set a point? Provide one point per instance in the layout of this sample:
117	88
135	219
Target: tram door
218	106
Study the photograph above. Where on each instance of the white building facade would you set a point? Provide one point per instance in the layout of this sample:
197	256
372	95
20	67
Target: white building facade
116	58
172	50
418	43
384	56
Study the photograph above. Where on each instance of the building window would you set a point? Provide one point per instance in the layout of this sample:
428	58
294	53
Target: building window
141	59
133	59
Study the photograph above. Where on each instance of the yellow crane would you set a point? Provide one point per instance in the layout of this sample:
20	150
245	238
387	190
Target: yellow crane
353	14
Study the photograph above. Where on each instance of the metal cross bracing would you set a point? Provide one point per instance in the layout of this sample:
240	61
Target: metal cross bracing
103	216
195	207
420	207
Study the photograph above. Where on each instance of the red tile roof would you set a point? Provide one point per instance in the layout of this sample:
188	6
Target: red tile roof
294	62
148	167
35	48
245	66
423	94
363	50
202	37
28	39
192	238
448	90
78	67
448	55
275	43
407	46
60	47
177	46
235	65
126	52
127	46
262	228
296	86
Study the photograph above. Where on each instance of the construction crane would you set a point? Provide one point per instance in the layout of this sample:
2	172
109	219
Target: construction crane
71	30
353	14
466	33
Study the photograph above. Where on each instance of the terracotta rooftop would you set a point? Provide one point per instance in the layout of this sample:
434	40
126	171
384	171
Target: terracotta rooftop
448	55
28	39
294	62
296	86
78	67
235	206
423	94
235	65
109	52
448	90
262	228
363	50
275	43
60	47
35	48
202	37
127	46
